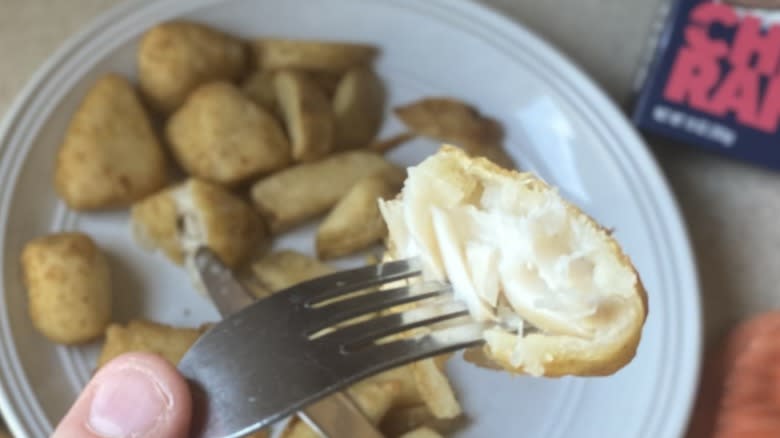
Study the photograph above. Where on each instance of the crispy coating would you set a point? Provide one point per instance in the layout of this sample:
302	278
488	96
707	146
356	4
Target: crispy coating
174	58
110	156
69	287
221	136
150	337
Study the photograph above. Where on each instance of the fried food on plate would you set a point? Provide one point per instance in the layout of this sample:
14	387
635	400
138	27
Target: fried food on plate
355	222
320	56
110	156
374	399
196	213
68	286
281	269
150	337
423	432
359	107
435	389
220	135
175	58
519	255
302	192
307	114
453	121
259	87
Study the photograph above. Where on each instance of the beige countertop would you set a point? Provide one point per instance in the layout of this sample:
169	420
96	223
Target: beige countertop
731	209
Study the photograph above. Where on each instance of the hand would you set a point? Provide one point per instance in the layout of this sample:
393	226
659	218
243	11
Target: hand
136	395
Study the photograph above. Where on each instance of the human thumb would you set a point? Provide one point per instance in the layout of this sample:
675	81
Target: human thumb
136	395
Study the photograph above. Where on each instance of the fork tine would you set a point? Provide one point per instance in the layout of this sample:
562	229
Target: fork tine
332	286
387	325
381	357
332	314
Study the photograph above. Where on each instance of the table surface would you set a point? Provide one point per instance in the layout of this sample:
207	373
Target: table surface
731	209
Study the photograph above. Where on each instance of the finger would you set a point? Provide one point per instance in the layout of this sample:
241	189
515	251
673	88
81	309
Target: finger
136	395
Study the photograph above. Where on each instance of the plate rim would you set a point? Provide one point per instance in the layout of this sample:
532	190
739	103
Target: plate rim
575	77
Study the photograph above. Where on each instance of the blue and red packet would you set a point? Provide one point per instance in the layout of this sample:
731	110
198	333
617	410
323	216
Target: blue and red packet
715	79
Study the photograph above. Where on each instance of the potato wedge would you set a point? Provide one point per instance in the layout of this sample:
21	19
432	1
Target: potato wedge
307	114
180	219
359	108
175	58
147	336
302	192
110	156
374	399
334	57
282	269
355	222
69	287
453	121
400	420
423	432
259	87
408	394
435	389
221	136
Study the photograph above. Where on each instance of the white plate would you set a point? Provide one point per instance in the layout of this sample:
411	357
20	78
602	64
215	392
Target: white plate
559	125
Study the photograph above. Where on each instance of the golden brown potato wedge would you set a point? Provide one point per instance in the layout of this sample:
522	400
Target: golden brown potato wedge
220	135
373	399
408	394
147	336
180	219
175	58
302	192
110	156
334	57
355	223
359	107
282	269
422	432
400	420
259	87
69	287
307	114
453	121
435	389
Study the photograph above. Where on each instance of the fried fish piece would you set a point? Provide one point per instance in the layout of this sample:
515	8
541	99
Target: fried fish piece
69	287
110	156
176	57
220	135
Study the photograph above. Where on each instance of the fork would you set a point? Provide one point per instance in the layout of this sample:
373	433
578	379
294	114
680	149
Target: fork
335	416
285	352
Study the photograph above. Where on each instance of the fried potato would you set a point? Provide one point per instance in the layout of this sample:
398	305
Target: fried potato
259	87
175	58
334	57
404	419
69	287
302	192
359	107
423	432
408	394
435	389
220	135
110	156
180	219
326	81
355	222
150	337
282	269
373	399
387	144
307	114
452	121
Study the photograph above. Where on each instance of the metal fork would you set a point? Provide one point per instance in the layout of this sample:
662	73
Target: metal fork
275	357
335	416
